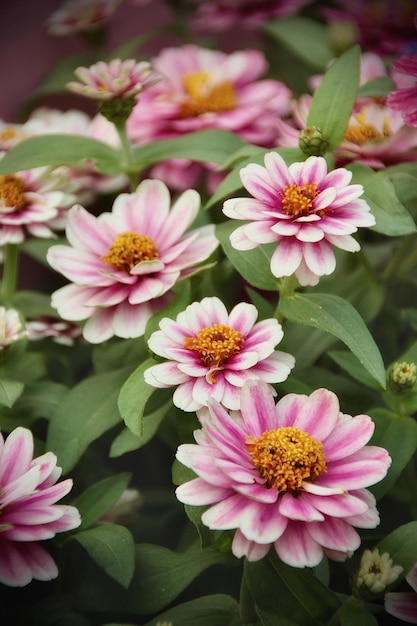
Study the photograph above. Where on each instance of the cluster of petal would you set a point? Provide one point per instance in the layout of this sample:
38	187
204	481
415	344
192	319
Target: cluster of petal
320	517
119	302
116	79
305	241
197	381
202	88
404	604
63	333
28	513
376	572
222	15
75	16
405	99
32	203
11	328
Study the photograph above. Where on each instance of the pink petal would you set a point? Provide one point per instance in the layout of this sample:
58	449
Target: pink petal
251	550
298	508
319	414
348	437
286	257
335	534
297	548
258	408
199	493
226	514
402	605
16	455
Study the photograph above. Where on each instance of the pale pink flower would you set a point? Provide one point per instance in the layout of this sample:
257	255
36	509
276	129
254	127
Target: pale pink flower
220	15
28	513
203	88
11	327
30	203
405	100
75	16
123	264
64	333
212	353
116	79
304	209
290	475
403	605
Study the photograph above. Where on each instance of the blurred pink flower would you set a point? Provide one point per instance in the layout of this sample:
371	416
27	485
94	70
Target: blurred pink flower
304	209
202	88
405	100
403	605
28	513
116	79
63	333
11	328
290	475
212	353
30	202
123	264
75	16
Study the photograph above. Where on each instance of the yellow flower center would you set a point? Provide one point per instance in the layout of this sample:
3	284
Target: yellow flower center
297	200
362	132
205	96
287	457
215	345
12	190
129	249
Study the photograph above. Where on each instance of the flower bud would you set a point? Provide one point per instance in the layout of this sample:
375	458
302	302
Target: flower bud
313	142
402	377
375	573
117	110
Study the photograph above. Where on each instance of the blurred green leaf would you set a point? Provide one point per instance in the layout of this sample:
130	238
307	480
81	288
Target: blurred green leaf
112	547
10	390
401	545
126	441
97	499
354	613
337	316
215	610
181	301
349	362
376	88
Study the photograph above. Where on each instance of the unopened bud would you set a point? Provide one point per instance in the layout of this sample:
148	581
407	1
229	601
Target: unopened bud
117	110
402	377
376	572
313	142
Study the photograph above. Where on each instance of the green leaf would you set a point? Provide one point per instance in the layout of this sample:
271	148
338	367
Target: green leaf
295	594
133	396
41	399
398	435
338	317
86	412
401	545
348	362
315	49
214	610
97	499
210	145
392	218
126	441
354	613
112	547
10	391
333	100
176	306
376	88
66	149
253	265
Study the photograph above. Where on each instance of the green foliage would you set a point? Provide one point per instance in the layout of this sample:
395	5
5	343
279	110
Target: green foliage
97	499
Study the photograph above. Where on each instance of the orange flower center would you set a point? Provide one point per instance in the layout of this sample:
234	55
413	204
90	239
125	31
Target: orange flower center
12	192
362	132
129	249
204	96
297	200
215	345
286	457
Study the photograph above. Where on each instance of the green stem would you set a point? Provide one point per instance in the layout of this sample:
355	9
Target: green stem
407	246
10	267
411	481
247	605
127	155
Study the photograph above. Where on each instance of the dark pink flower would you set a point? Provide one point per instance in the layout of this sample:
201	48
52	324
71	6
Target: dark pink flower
404	604
405	100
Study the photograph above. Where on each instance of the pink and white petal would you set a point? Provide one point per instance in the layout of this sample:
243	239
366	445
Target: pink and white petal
164	375
150	193
305	276
274	369
242	318
264	335
108	296
348	437
232	450
361	469
313	170
17	561
31	515
285	228
335	534
251	550
17	455
244	360
42	565
203	390
258	408
288	407
197	492
261	232
319	257
99	327
347	195
240	241
129	321
226	514
257	492
310	233
286	257
278	170
20	487
340	505
70	301
258	182
182	215
231	396
402	605
235	471
339	178
325	199
183	397
85	232
319	414
344	242
148	288
79	266
198	250
298	508
244	208
411	578
201	463
297	547
262	523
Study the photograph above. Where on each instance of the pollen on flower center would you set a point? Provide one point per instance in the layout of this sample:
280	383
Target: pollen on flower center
205	96
286	457
362	132
297	200
12	190
215	344
129	249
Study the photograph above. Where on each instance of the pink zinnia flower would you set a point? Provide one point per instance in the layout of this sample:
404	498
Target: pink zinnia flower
304	209
212	353
123	264
291	475
30	201
28	513
116	79
75	16
63	333
11	328
404	604
405	100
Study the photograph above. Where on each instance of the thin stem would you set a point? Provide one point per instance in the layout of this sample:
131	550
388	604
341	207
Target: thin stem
10	267
127	154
